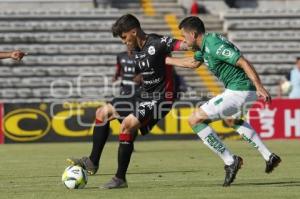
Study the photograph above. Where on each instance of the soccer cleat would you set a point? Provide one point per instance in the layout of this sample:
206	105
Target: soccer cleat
85	163
231	170
272	163
115	183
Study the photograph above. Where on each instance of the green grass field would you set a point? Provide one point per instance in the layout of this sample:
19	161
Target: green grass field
159	169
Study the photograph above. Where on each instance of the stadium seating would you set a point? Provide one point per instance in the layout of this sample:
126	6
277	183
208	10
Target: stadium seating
269	38
66	43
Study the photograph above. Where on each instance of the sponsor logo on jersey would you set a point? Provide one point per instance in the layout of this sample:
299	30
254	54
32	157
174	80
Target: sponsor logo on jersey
154	81
148	73
142	112
164	39
151	50
129	61
224	51
169	42
219	50
150	105
140	56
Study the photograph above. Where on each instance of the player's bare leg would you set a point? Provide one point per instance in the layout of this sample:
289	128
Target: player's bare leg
199	123
128	127
100	135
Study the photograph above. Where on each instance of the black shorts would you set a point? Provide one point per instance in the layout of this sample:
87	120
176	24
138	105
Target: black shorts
147	110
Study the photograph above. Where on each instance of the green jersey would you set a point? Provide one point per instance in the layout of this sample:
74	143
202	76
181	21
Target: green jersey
221	56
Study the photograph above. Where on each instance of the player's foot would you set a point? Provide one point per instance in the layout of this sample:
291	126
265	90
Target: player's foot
231	170
84	162
115	183
272	163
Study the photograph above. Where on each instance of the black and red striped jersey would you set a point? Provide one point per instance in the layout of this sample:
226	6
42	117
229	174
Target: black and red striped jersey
157	76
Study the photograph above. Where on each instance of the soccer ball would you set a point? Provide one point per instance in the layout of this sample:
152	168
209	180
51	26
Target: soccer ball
286	87
74	177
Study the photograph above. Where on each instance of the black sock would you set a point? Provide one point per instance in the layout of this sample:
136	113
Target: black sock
124	155
100	135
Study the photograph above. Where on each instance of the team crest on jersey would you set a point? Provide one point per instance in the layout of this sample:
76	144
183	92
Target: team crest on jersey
227	53
151	50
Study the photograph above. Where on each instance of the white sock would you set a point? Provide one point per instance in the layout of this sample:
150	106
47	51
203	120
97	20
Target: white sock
249	134
210	139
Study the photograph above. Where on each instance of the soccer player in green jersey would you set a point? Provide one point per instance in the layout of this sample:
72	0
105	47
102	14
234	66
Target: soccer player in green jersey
242	86
16	55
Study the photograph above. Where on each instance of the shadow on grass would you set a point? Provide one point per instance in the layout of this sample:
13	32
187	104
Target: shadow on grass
152	172
280	183
110	174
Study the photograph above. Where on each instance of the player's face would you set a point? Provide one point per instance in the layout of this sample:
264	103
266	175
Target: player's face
190	38
129	39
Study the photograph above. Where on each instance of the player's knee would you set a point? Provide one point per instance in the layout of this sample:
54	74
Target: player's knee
102	113
129	124
199	116
128	129
194	120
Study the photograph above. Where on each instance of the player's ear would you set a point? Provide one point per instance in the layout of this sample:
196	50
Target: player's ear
134	31
195	35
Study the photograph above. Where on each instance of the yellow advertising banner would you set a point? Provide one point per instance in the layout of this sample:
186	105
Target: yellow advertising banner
74	122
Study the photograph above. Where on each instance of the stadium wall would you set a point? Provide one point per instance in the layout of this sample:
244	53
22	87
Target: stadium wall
71	122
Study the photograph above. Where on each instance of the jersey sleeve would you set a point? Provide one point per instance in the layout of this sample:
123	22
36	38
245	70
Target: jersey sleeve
167	44
118	67
198	56
226	52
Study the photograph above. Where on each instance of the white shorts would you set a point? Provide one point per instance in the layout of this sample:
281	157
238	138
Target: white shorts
230	103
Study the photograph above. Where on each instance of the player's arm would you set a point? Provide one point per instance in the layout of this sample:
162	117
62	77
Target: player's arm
253	76
180	45
138	79
185	62
16	55
231	55
169	44
118	70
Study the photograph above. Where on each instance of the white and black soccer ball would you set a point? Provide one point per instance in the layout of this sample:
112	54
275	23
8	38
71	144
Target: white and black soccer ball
74	177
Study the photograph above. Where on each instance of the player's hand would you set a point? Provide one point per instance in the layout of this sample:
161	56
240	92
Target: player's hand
263	93
17	55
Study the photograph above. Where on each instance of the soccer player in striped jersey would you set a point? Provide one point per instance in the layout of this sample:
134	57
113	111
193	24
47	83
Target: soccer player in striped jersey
145	109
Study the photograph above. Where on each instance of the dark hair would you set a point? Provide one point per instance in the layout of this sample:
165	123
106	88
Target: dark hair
297	58
125	24
192	23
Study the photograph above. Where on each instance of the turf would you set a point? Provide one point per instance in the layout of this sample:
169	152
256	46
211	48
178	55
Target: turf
159	169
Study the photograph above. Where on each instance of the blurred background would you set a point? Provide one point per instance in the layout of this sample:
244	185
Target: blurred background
51	95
